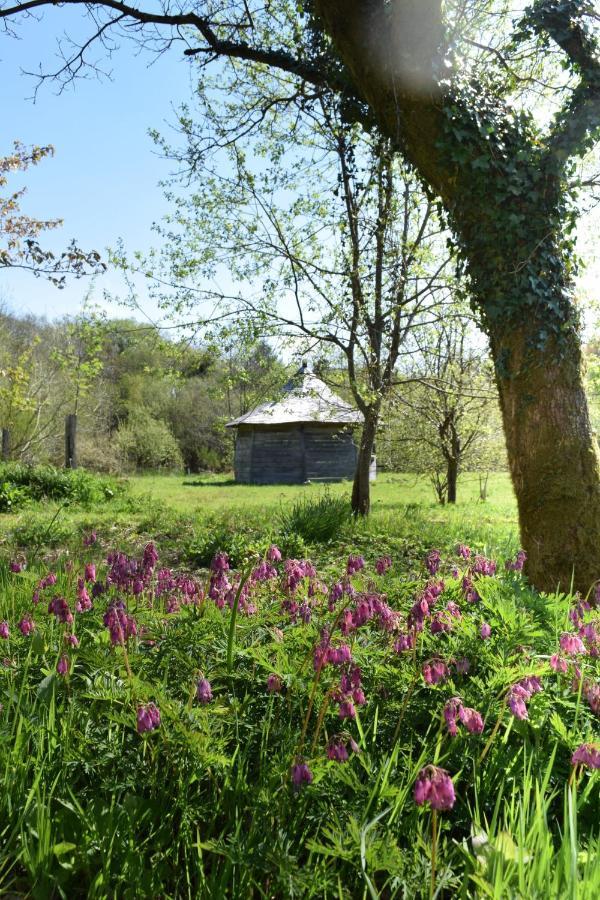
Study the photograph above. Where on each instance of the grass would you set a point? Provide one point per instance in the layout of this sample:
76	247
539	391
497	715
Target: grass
204	805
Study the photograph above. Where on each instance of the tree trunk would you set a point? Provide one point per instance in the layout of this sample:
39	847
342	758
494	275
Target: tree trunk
361	489
71	441
553	458
452	479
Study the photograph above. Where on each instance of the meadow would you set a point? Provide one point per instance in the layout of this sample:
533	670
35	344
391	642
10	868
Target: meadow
211	690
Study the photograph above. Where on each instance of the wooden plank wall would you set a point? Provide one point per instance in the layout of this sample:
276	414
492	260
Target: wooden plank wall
293	454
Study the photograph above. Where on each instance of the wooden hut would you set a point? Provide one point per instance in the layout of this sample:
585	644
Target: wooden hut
305	435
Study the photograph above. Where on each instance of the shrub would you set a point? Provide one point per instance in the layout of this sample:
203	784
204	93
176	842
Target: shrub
316	519
21	483
148	443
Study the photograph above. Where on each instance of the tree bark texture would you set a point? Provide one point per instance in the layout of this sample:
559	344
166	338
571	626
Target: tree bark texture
452	479
554	464
361	488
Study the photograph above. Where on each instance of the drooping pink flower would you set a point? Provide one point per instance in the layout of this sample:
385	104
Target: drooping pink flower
301	774
559	664
62	666
26	625
483	566
72	640
16	566
4	630
434	786
462	665
432	561
383	564
274	554
451	712
485	631
204	691
587	755
148	717
274	684
90	572
337	750
464	551
354	564
471	719
435	671
516	701
517	564
90	539
347	710
404	642
571	644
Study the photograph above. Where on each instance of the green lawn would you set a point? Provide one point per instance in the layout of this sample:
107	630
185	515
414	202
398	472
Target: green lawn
181	510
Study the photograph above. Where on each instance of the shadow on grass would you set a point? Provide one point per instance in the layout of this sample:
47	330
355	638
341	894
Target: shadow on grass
213	484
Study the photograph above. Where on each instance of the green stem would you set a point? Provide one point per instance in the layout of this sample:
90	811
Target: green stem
234	612
433	852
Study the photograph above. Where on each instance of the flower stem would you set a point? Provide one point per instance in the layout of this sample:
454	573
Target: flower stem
433	852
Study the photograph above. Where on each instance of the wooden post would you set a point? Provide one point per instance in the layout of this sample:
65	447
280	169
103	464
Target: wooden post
5	444
71	441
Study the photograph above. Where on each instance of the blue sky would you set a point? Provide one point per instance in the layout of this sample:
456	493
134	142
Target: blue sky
103	179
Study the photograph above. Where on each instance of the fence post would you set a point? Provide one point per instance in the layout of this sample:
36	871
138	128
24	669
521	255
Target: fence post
5	444
71	441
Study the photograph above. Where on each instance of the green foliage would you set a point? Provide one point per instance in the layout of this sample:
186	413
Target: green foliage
21	483
148	443
316	519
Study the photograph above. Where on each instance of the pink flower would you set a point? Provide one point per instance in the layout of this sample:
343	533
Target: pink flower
337	750
301	774
26	625
354	564
587	755
72	639
432	561
471	719
451	712
16	566
517	565
148	717
382	565
274	684
204	691
571	644
434	786
485	631
4	630
274	554
435	671
90	539
347	710
559	664
464	551
516	701
404	642
62	666
90	572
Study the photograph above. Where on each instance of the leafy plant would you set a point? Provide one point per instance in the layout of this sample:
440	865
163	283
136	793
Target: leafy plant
316	519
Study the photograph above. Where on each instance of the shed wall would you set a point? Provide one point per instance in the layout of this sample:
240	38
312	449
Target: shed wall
293	454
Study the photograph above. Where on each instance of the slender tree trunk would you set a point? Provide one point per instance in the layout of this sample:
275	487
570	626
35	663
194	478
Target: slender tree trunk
452	479
553	458
71	441
361	489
